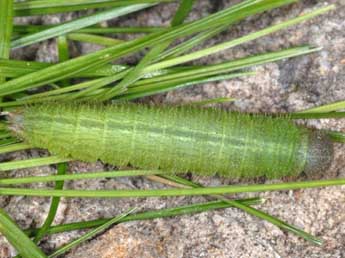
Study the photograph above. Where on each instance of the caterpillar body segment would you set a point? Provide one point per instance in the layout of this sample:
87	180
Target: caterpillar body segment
175	139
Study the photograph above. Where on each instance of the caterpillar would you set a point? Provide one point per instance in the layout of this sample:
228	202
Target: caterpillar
175	139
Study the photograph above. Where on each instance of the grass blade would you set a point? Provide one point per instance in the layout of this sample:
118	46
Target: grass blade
155	88
148	215
173	80
94	39
23	29
43	7
203	74
316	115
134	75
29	163
212	101
5	134
182	12
189	44
337	106
63	48
90	234
17	68
337	136
99	58
279	223
6	20
14	147
171	192
241	40
81	176
77	24
20	241
252	211
62	168
8	141
63	53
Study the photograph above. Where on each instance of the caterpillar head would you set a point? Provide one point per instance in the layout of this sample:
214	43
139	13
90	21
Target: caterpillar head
320	154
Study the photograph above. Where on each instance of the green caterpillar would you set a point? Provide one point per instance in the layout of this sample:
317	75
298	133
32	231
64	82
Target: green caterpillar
175	139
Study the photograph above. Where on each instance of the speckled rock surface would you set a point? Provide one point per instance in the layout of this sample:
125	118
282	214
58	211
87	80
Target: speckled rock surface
288	85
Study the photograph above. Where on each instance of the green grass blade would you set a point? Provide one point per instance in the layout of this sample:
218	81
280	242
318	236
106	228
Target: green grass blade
5	134
211	101
63	53
90	234
17	68
94	39
77	24
99	58
24	29
63	48
230	66
316	115
181	181
20	241
207	73
81	176
29	163
117	30
337	136
198	75
164	181
171	192
43	7
170	80
155	88
153	84
92	84
189	44
134	75
254	212
7	142
62	168
337	106
182	12
14	147
6	20
279	223
252	36
148	215
236	64
3	126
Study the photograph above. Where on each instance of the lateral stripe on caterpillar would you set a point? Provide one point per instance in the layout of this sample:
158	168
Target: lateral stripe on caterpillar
175	139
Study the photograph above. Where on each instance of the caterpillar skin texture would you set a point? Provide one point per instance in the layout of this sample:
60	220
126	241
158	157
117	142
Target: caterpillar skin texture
175	139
